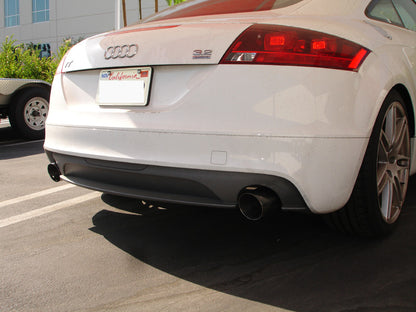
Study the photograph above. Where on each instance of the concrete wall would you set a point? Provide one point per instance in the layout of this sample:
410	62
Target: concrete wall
71	18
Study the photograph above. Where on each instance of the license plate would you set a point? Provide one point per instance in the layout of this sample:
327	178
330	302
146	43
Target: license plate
125	87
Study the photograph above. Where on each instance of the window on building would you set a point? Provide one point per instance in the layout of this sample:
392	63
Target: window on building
11	13
40	11
44	50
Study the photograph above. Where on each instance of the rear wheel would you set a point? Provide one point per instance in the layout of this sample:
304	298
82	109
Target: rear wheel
29	112
380	190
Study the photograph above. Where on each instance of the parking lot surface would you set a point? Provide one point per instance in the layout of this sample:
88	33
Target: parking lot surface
64	248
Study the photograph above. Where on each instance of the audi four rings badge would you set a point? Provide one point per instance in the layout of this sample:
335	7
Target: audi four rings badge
121	51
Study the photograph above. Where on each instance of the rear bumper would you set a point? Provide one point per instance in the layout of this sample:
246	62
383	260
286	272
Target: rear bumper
318	173
169	184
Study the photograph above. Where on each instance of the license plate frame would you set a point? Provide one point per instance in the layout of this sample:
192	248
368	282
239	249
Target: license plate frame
124	86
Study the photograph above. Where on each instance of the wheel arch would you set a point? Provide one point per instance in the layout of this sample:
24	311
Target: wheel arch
404	93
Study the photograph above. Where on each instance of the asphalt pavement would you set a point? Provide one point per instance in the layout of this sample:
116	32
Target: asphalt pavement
64	248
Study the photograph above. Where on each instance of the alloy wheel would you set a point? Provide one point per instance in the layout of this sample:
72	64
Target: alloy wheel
393	162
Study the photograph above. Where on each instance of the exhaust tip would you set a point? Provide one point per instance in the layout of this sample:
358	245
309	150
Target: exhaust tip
255	204
54	172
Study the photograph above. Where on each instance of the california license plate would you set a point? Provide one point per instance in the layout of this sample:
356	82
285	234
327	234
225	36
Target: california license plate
125	87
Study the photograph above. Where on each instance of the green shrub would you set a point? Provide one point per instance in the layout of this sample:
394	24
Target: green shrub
20	61
173	2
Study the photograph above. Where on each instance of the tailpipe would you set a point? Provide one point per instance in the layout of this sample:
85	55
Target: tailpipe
54	172
255	203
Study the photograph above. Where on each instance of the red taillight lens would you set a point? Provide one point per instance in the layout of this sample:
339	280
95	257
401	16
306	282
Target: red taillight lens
283	45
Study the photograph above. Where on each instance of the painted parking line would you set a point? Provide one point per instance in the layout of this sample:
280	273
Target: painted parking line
48	209
4	123
35	195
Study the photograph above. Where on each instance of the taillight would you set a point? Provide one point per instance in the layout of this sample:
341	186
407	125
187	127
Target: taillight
284	45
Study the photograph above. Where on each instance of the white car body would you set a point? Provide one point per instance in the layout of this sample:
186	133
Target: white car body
303	131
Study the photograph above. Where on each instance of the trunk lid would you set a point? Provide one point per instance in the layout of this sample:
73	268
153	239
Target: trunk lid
142	45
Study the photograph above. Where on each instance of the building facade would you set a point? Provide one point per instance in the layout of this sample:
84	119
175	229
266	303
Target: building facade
50	22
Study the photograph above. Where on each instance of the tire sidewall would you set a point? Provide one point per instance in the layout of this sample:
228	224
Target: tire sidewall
17	111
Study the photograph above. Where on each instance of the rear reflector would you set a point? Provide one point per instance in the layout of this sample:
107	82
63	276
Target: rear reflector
283	45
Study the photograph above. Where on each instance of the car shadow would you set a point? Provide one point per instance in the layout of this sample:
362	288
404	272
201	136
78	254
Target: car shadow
290	261
10	146
7	132
15	150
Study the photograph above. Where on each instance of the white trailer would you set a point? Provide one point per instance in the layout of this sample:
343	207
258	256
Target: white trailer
26	103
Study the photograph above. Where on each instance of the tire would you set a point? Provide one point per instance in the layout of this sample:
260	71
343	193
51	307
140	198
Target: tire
377	199
29	112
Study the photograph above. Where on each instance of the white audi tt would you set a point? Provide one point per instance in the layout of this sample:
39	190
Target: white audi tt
256	104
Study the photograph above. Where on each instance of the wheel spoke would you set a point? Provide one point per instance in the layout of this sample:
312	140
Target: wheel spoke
386	200
402	178
400	135
384	146
382	177
398	197
390	124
